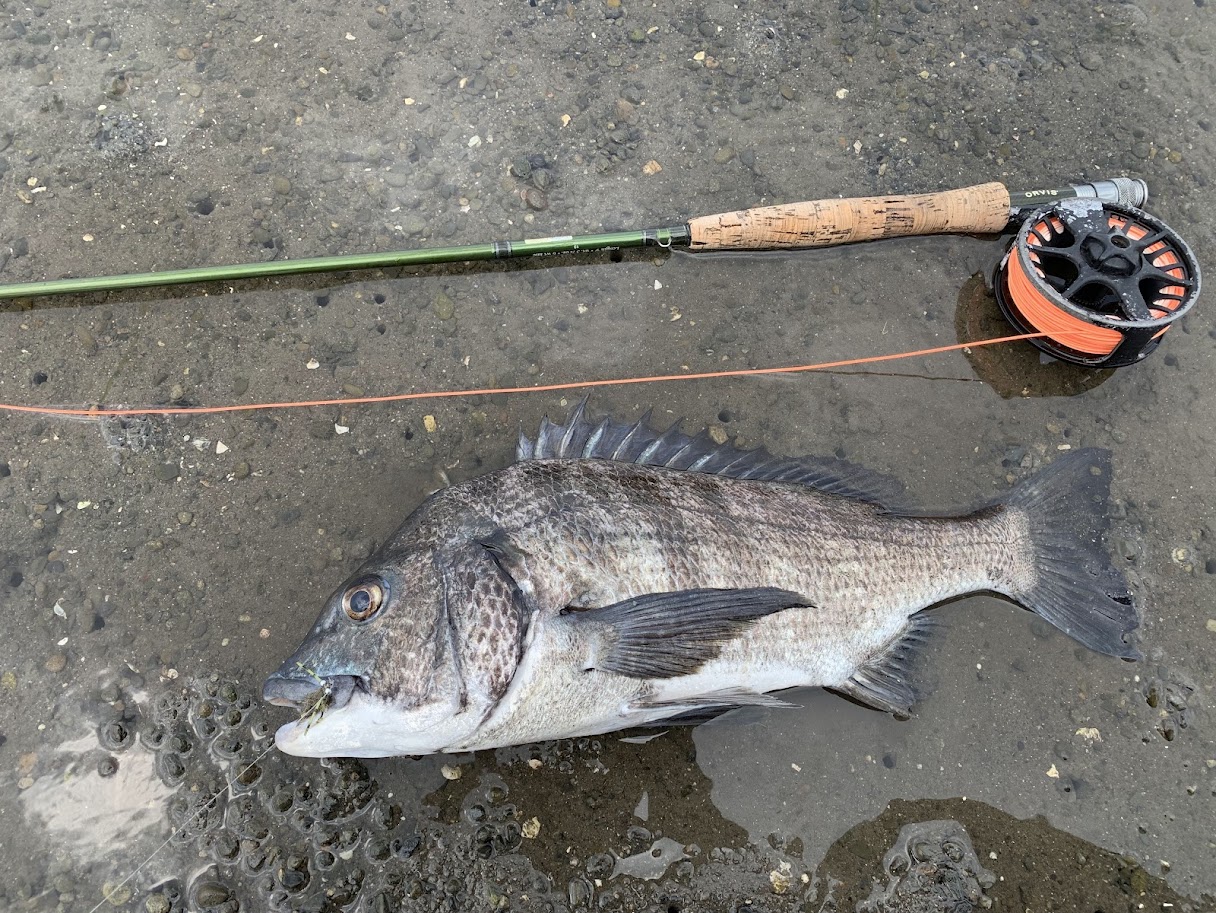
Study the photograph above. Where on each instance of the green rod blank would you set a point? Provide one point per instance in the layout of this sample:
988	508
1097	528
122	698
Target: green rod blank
494	250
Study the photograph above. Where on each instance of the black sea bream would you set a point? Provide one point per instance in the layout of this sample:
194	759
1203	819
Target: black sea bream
614	576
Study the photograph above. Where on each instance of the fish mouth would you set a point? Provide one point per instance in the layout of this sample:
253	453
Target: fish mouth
302	692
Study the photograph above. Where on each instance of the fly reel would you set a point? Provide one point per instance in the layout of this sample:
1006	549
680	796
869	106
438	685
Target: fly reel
1102	281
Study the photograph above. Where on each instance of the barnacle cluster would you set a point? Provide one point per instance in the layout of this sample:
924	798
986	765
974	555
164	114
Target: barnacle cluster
931	867
276	833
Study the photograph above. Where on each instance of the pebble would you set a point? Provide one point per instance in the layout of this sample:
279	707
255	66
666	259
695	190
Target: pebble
536	199
1126	548
413	224
185	54
445	307
87	340
56	663
241	471
724	155
166	472
280	185
157	903
212	895
116	894
1090	60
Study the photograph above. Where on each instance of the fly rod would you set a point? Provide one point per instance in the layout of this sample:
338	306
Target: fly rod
982	209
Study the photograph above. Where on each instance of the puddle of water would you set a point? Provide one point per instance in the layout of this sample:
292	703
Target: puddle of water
95	816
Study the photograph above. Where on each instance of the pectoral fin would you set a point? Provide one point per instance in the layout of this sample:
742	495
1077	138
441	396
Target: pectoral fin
663	635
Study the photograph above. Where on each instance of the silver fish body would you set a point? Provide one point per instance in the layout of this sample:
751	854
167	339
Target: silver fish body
616	576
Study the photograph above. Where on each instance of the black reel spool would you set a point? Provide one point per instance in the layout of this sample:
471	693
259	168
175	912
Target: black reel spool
1104	282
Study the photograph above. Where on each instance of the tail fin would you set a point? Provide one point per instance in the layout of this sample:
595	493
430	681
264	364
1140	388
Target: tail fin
1073	584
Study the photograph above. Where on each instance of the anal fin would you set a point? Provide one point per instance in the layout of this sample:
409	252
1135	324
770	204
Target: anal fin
885	682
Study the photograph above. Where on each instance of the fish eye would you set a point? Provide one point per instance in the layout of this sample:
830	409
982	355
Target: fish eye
363	600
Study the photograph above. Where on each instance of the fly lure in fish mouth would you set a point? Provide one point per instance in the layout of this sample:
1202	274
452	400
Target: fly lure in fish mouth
316	702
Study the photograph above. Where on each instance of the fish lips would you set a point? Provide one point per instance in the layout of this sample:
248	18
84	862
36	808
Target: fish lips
293	689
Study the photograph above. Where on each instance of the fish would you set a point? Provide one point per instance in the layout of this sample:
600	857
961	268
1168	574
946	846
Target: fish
614	576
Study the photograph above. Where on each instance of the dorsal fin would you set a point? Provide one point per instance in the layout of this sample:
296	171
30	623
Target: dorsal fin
584	438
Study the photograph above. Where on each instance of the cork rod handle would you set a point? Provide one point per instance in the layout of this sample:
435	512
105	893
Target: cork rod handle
981	209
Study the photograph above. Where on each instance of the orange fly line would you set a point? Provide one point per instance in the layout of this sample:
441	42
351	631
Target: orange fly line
499	391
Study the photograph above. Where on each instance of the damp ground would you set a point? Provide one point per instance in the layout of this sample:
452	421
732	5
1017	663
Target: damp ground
153	571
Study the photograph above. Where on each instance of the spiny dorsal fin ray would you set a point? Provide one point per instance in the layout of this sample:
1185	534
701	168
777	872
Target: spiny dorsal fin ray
583	438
